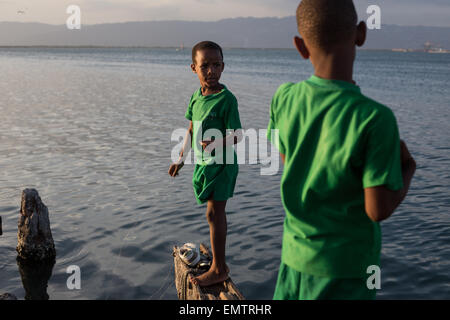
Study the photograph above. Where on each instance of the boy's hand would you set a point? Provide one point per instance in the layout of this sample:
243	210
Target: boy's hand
205	144
210	145
175	168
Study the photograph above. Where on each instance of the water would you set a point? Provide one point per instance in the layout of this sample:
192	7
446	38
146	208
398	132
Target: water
90	129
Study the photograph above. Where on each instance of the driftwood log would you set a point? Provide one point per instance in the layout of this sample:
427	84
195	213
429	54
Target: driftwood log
186	290
34	237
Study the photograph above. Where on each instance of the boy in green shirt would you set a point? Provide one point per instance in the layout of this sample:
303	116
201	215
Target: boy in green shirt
212	111
345	166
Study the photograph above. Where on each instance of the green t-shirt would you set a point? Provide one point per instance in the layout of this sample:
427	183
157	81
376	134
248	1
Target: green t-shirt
336	142
214	173
216	112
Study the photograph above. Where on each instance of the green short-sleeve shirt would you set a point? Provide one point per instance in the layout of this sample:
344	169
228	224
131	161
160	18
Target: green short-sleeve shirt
212	117
336	142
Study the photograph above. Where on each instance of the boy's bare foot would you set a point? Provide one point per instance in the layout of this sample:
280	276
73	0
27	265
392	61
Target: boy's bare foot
210	277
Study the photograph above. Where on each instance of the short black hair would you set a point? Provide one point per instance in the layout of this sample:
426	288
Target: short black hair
205	45
325	23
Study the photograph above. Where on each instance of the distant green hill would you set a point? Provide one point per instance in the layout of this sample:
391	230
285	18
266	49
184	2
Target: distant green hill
239	32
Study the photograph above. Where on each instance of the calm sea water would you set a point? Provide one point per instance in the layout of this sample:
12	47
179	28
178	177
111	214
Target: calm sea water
90	129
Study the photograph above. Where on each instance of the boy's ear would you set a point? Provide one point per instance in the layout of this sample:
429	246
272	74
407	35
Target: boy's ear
299	43
193	68
361	33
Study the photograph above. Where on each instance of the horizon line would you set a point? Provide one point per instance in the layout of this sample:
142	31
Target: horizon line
199	21
159	47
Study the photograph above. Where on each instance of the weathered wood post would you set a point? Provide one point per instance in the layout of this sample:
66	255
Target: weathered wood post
35	278
35	246
34	237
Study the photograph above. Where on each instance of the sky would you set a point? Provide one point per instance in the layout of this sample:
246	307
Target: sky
401	12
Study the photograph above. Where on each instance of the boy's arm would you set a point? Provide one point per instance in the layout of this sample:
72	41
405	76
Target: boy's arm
232	122
176	167
230	139
380	202
187	144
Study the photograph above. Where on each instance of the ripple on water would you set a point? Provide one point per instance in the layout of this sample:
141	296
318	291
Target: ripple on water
98	154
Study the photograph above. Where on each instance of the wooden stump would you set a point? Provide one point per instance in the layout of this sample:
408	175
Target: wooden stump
35	277
226	290
34	238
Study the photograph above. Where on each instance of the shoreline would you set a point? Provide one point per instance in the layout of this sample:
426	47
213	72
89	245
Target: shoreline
400	50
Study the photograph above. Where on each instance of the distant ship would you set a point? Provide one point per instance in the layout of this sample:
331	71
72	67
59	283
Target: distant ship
428	47
434	48
399	50
438	50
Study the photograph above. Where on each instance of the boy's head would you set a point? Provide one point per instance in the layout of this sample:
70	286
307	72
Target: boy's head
205	45
207	63
325	25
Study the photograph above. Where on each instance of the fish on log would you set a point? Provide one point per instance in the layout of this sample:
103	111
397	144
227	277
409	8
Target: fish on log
186	290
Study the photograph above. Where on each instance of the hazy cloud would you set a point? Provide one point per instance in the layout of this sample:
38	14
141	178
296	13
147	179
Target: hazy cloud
403	12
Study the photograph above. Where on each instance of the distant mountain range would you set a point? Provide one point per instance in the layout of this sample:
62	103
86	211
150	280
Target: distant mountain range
239	32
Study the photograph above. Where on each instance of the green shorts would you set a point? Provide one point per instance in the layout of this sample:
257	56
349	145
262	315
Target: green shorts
216	180
294	285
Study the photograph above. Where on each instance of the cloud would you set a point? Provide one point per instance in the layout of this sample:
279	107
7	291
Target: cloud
404	12
100	11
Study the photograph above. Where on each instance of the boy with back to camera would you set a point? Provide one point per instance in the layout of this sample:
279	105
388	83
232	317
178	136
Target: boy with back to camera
346	168
212	108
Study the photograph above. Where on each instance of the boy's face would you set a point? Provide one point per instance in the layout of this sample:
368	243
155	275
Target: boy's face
209	67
